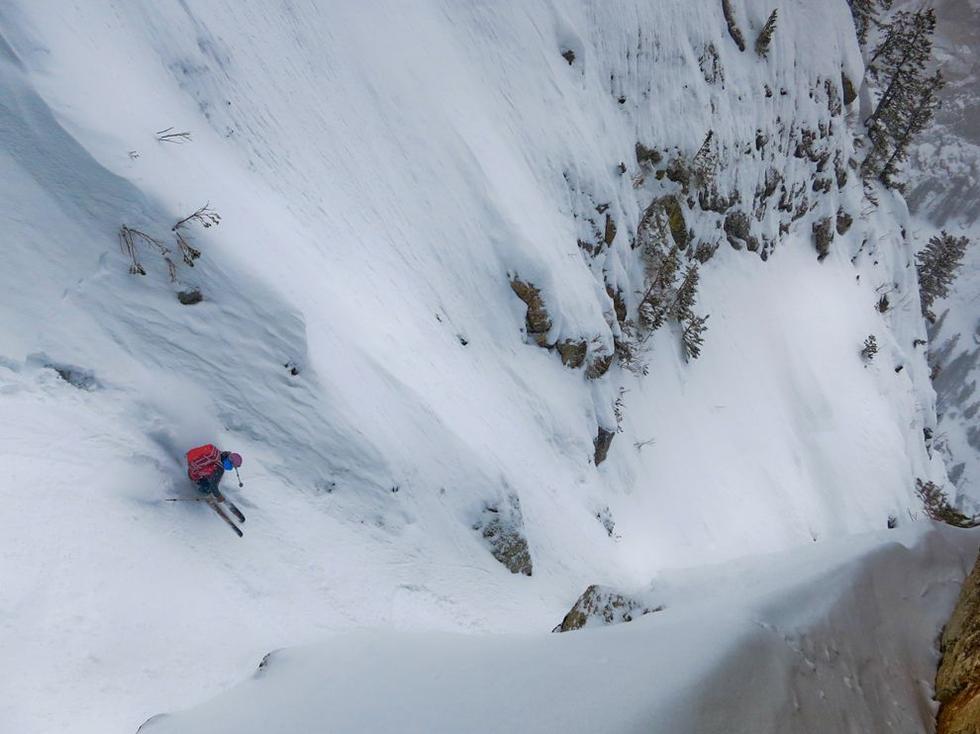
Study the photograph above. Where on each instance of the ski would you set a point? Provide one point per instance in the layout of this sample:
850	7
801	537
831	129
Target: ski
235	511
215	500
213	504
231	505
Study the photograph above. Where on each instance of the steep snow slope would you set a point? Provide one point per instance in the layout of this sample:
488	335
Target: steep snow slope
383	170
816	640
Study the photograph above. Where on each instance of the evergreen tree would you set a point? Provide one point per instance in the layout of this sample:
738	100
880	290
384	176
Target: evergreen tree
693	336
865	14
937	265
908	100
653	309
765	35
915	119
681	309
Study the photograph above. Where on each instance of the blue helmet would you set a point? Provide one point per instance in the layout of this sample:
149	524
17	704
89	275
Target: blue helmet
227	464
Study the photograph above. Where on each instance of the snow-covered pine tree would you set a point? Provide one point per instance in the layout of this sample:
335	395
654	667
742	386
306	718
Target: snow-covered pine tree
693	337
907	102
924	103
681	309
765	35
865	14
653	309
937	265
870	347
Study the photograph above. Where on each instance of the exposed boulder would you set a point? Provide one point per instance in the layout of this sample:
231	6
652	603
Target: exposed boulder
573	352
537	319
603	441
823	235
190	297
844	222
619	304
601	605
598	365
502	527
958	678
738	230
647	155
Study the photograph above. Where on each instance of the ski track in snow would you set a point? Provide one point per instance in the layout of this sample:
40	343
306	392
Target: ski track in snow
381	169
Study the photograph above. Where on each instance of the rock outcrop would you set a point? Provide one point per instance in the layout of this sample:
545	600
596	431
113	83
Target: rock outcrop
958	679
537	319
601	605
502	527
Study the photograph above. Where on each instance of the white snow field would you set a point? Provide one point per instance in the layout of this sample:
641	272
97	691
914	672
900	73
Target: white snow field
816	640
382	170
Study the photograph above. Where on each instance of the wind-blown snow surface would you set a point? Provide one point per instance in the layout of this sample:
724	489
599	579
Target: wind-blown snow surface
814	641
381	169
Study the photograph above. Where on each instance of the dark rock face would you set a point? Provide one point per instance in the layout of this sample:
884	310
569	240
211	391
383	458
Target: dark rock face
958	678
538	321
844	222
610	231
602	605
850	93
602	443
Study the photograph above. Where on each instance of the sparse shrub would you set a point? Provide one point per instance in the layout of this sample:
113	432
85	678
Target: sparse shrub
764	40
937	506
883	303
179	138
937	266
870	348
569	56
129	242
710	63
629	350
207	218
605	518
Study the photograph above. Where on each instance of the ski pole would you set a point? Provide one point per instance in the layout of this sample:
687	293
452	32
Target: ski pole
239	477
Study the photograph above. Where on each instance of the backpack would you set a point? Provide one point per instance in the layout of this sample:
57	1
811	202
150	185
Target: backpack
202	461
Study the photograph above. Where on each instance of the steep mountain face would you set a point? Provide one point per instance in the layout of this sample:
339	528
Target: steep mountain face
944	195
424	320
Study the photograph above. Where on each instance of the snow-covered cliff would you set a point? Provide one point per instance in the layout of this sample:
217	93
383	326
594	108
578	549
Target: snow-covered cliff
386	173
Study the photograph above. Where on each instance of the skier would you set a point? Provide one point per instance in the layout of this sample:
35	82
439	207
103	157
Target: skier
206	465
